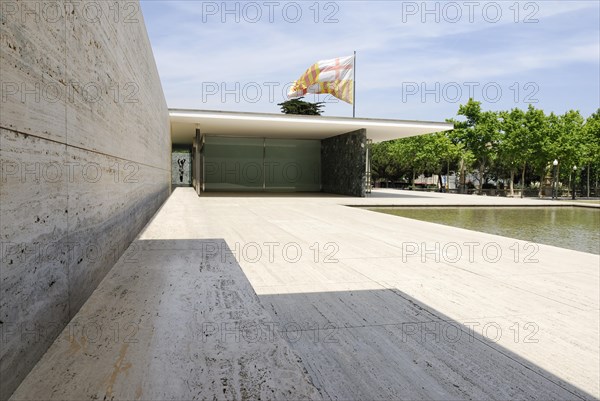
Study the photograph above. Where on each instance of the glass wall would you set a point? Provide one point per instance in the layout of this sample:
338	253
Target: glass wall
259	164
233	164
292	165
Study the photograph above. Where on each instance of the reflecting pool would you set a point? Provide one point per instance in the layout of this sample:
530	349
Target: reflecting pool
566	227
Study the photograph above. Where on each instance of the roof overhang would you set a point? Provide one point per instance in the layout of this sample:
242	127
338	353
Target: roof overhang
241	124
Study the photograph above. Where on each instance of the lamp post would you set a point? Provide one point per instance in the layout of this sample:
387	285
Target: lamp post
554	182
574	178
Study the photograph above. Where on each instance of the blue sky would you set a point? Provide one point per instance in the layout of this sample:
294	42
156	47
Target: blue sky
415	60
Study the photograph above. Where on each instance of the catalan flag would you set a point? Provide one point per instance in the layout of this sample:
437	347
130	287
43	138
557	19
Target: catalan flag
335	76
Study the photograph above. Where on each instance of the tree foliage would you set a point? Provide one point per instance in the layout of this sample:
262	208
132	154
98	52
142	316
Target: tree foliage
512	146
299	106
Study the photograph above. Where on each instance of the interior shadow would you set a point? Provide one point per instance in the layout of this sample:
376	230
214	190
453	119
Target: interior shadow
401	194
271	194
319	195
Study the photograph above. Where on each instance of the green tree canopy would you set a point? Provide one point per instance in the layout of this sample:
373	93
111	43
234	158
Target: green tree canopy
498	145
299	106
479	133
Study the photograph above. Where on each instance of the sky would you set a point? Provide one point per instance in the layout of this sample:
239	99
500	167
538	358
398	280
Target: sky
415	60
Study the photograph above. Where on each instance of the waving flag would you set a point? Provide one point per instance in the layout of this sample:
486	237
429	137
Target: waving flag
335	76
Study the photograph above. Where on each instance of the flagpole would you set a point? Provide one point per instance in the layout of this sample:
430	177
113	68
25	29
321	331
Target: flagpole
354	88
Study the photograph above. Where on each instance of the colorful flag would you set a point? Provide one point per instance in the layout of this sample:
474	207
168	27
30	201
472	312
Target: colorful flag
335	76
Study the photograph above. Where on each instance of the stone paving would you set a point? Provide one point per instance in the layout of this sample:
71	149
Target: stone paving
301	297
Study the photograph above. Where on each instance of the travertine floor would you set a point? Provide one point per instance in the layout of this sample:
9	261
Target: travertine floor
291	297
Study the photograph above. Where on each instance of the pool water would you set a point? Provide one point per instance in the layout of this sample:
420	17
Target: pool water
566	227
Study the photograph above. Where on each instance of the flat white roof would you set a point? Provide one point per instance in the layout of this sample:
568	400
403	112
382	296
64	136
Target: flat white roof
227	123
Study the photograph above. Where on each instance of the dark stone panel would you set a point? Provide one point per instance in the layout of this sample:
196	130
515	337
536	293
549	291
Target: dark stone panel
343	160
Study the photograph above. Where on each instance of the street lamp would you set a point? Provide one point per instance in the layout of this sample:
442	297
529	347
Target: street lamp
554	181
574	178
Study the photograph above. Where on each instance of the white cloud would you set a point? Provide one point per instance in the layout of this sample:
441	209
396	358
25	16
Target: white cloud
392	48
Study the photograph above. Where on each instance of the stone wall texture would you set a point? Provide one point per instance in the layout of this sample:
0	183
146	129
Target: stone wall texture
343	163
85	151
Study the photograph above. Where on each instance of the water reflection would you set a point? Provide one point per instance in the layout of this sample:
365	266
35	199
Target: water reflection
566	227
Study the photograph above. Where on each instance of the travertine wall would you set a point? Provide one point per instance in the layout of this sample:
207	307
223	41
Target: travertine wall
343	163
85	152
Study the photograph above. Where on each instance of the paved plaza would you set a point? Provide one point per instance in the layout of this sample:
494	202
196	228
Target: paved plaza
302	297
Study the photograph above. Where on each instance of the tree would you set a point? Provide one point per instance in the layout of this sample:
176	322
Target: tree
407	154
536	127
438	151
384	165
590	141
421	154
299	106
479	133
500	145
521	141
562	140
